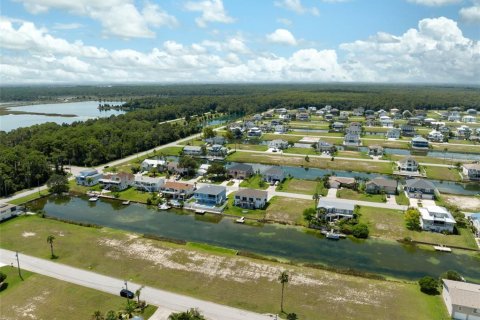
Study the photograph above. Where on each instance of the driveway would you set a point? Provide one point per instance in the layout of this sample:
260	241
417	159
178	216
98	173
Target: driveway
332	193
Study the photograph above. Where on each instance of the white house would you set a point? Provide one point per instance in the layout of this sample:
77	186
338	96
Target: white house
386	121
435	135
278	144
192	150
280	128
148	184
437	219
407	164
250	198
393	133
333	209
471	171
88	177
119	181
254	132
149	164
454	117
469	119
462	299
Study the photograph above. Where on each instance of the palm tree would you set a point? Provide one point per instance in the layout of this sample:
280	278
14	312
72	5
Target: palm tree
192	314
97	315
283	278
138	292
316	197
129	309
50	239
111	315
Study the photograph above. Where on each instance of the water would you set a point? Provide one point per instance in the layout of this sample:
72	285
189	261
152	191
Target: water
82	110
309	130
434	154
372	255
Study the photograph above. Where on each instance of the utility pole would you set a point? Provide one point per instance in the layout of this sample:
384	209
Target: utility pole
18	264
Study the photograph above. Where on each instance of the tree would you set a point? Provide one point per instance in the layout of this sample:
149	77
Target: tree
360	231
217	169
97	315
283	278
188	163
192	314
429	285
228	135
309	214
292	316
111	315
50	240
452	275
208	133
412	219
138	292
316	197
58	183
3	284
129	308
307	158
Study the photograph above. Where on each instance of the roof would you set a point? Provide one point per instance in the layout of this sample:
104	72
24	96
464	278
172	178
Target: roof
211	189
192	148
274	171
352	136
252	193
335	203
436	213
382	182
241	167
345	180
154	161
139	177
419	183
463	293
177	185
88	172
373	147
404	160
419	139
472	166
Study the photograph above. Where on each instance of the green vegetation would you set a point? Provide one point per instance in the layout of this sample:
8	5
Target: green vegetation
310	187
210	248
237	211
352	154
360	231
442	173
254	182
412	219
429	285
30	197
241	146
57	183
402	199
192	314
355	195
288	210
295	150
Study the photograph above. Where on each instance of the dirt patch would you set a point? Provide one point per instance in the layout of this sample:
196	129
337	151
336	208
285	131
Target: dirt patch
464	203
26	234
27	310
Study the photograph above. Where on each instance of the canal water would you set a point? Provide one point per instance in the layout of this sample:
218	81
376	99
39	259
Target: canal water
452	156
376	256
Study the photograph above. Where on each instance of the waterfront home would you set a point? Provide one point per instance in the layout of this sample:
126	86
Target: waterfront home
472	112
149	164
375	150
420	189
454	117
281	110
250	199
118	181
358	112
341	182
352	140
192	150
210	195
254	132
280	128
8	210
419	142
381	185
174	168
369	112
216	140
393	133
407	164
435	136
323	146
444	130
148	184
328	117
354	128
436	219
407	130
338	126
475	221
274	174
303	116
414	121
428	121
240	171
285	117
386	122
257	117
471	171
278	144
334	209
469	119
88	177
463	131
202	170
462	299
177	190
217	150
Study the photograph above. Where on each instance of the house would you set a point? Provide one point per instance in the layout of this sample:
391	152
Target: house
274	174
345	182
250	199
174	167
278	144
469	119
475	221
89	177
369	112
435	135
323	146
471	171
328	117
203	169
281	111
177	190
407	130
436	219
280	128
379	185
472	112
463	131
312	109
386	121
358	112
419	142
192	150
414	121
338	126
8	210
148	184
454	117
344	113
334	209
352	140
375	150
303	116
240	171
254	132
393	133
285	117
217	150
216	140
420	189
210	195
257	117
408	164
462	299
335	111
149	164
119	181
353	128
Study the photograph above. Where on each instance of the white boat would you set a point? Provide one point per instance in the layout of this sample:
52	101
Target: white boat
163	206
93	199
126	202
332	235
442	248
240	220
175	203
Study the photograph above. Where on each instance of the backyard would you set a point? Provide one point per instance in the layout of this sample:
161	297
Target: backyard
310	187
288	210
345	193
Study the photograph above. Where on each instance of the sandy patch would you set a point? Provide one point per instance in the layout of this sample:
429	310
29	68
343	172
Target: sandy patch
27	311
26	234
464	203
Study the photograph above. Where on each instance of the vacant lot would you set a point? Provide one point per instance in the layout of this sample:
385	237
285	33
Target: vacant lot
354	195
288	210
471	204
223	278
310	187
442	173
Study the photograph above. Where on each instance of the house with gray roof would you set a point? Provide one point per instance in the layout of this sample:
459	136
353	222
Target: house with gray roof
352	140
274	174
471	171
88	177
462	299
192	150
240	171
251	198
379	185
210	194
420	189
334	209
419	142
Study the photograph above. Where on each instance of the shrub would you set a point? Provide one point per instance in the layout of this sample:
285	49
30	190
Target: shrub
360	231
412	219
429	285
452	275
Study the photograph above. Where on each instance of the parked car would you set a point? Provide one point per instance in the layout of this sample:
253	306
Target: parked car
127	294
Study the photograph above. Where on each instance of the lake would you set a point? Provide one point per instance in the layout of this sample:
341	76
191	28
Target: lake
373	255
83	110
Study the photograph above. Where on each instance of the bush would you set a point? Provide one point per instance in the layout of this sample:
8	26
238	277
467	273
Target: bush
360	231
412	219
452	275
429	285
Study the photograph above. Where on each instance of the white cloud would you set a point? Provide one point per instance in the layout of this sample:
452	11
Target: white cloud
212	11
67	26
296	6
471	14
284	21
118	17
435	3
282	36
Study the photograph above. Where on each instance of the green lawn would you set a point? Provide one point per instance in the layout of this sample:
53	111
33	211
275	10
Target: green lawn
193	142
318	134
442	173
376	129
402	199
294	185
167	151
287	137
352	154
454	148
354	195
237	211
305	151
288	210
134	195
41	297
254	182
30	197
390	224
223	278
254	147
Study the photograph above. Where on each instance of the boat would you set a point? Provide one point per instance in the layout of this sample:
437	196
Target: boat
175	203
332	235
240	220
164	206
126	202
442	248
93	199
198	211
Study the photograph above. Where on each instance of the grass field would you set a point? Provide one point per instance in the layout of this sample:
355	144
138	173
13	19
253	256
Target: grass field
30	197
456	148
352	154
222	278
442	173
402	199
390	224
354	195
287	137
254	147
41	297
168	151
254	182
305	151
322	134
294	185
288	210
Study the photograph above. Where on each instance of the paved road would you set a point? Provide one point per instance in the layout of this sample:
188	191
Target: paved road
163	299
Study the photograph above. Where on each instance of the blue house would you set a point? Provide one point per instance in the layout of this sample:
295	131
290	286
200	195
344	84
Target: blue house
419	143
211	195
89	177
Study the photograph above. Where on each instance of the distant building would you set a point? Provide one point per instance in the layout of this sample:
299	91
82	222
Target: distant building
338	126
323	146
217	150
334	209
469	119
211	195
216	140
278	144
352	140
407	130
251	199
303	116
419	142
472	112
148	184
436	219
192	150
119	181
88	177
254	132
375	150
149	164
408	164
393	133
379	185
386	121
177	190
420	189
435	136
274	174
471	171
462	299
240	171
338	182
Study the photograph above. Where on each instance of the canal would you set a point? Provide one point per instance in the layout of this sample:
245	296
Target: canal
373	255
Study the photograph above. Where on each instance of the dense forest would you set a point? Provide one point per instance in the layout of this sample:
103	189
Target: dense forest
29	155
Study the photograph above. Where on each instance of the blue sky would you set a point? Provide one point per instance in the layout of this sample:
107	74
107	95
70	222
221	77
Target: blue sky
65	41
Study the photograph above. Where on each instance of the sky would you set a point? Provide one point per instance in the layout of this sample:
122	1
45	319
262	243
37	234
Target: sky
232	41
